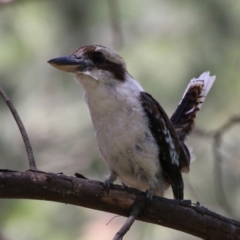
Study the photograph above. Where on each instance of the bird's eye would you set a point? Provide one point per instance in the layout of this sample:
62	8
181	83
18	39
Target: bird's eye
98	57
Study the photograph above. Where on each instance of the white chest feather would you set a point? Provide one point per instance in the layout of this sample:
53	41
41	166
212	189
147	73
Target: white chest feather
124	138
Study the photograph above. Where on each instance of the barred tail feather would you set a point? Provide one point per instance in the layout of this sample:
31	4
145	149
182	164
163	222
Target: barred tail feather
191	102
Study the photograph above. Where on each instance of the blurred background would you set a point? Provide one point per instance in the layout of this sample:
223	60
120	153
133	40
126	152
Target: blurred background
165	44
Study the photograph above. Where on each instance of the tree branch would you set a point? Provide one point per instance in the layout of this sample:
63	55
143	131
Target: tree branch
22	130
179	215
115	19
217	137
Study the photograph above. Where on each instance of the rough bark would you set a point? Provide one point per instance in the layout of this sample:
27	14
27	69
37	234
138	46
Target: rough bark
179	215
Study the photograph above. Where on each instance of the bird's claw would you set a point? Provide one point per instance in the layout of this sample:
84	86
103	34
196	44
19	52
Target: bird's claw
108	184
149	197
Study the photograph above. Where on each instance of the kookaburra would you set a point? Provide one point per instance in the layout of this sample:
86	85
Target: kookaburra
140	144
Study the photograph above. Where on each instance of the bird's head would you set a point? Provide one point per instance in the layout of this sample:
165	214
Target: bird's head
93	65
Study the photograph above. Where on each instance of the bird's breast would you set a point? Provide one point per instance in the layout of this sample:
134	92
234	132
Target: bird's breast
126	143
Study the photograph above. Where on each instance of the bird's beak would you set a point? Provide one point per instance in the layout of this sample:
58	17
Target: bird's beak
68	63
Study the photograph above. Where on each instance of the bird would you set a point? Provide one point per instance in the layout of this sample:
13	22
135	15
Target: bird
141	145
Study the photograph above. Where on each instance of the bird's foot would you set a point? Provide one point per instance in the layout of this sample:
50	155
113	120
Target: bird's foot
149	197
108	184
125	186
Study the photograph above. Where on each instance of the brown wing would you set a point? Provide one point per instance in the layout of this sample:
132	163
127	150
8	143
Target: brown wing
166	137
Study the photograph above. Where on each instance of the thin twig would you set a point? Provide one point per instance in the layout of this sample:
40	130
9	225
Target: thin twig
21	127
115	19
137	209
112	219
218	135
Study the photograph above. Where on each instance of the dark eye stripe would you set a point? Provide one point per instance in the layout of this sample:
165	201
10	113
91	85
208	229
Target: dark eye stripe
117	70
101	62
98	57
